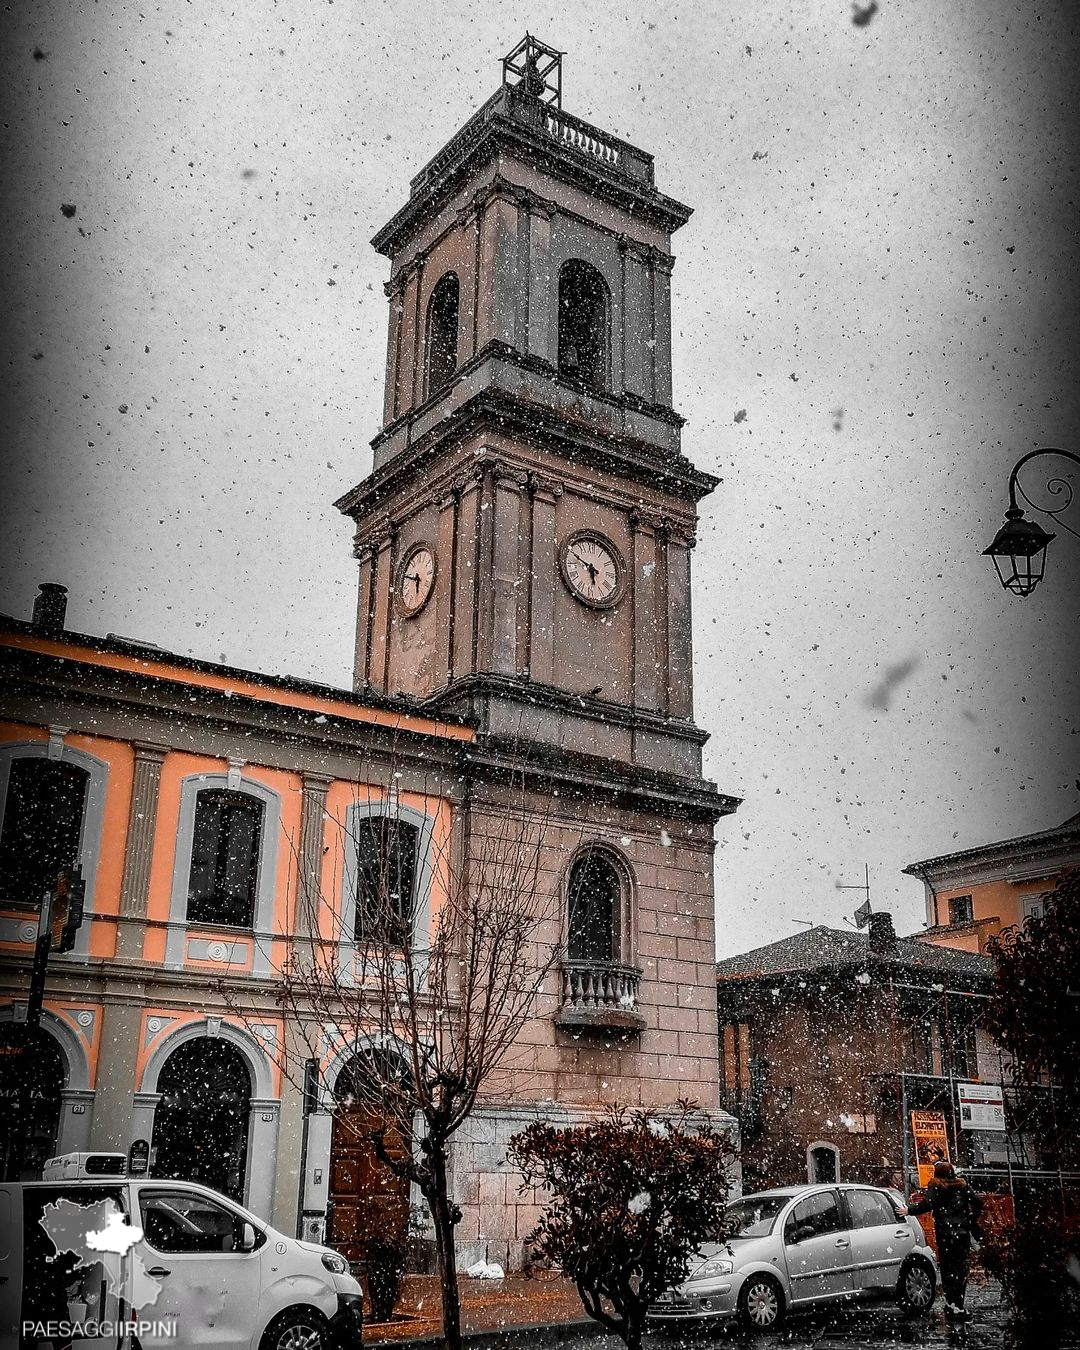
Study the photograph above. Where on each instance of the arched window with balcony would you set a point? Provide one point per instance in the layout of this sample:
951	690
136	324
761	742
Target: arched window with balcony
593	910
442	332
584	323
600	981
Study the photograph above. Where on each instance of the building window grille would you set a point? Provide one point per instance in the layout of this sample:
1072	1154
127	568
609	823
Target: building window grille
223	880
442	332
583	324
43	818
386	867
960	909
593	898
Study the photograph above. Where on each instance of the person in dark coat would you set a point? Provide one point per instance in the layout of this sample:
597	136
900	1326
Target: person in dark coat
955	1209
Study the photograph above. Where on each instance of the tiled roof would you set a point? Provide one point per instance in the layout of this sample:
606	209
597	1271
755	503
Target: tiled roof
1066	833
824	948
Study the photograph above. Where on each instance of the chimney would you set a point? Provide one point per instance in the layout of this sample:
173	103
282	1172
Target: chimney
882	934
50	607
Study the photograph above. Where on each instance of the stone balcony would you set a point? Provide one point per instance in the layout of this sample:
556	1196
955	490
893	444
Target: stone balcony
600	995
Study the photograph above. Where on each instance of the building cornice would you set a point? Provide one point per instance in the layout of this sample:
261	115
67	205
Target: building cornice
1044	846
517	126
492	407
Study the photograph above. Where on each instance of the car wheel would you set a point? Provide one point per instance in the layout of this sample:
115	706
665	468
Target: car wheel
761	1303
917	1286
297	1329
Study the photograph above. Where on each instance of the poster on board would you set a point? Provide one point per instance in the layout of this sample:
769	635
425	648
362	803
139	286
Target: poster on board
931	1142
982	1106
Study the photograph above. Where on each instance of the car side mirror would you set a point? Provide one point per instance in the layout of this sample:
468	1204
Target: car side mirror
247	1238
798	1233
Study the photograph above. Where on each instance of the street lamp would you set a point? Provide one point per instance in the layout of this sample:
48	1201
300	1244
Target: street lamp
1019	547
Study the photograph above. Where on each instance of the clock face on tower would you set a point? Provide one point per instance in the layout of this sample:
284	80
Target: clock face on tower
592	569
416	579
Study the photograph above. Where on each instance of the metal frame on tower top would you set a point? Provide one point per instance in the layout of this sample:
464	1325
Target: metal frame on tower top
537	68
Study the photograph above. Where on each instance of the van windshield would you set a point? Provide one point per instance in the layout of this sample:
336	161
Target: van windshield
753	1217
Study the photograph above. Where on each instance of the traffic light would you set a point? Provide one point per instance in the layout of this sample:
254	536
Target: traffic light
66	912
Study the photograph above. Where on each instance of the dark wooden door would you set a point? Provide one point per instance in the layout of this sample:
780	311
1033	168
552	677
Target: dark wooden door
366	1199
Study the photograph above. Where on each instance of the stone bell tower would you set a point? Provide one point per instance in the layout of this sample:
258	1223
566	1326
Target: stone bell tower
525	536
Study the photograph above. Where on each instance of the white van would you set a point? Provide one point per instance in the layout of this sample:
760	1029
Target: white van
123	1263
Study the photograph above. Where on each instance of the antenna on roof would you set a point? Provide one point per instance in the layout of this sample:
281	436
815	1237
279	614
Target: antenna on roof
809	922
862	914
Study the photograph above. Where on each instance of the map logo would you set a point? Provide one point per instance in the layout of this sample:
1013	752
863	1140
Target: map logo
100	1239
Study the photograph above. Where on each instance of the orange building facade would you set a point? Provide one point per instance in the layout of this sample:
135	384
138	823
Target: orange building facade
972	895
121	759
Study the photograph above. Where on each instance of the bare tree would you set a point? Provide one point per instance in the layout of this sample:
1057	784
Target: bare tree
428	1015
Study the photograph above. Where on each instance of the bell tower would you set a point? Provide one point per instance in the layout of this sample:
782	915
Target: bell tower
525	536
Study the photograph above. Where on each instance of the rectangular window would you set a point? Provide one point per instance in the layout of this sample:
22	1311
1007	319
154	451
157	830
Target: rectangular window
43	814
224	858
1032	906
960	910
386	858
920	1054
735	1059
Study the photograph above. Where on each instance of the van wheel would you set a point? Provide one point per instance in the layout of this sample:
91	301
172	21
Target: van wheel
297	1329
916	1289
761	1303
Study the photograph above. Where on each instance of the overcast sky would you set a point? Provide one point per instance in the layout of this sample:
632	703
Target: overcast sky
875	314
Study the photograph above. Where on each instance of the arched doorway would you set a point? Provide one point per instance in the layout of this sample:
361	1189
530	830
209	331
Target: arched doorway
32	1075
201	1121
367	1200
822	1164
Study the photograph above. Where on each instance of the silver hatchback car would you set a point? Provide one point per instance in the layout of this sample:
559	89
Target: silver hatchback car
803	1246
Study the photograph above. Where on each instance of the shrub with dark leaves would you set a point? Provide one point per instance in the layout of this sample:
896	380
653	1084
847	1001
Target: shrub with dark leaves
632	1197
1035	1009
1034	1258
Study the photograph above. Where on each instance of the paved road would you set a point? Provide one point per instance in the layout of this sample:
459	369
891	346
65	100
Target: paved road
868	1328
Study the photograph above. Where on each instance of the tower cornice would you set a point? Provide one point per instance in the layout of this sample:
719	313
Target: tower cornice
564	146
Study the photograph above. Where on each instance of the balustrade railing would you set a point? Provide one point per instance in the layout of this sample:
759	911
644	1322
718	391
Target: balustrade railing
564	130
600	985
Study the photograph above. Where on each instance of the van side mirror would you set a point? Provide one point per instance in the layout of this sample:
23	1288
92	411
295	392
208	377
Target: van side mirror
247	1238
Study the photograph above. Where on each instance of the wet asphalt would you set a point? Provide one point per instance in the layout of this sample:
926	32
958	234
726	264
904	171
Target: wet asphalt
870	1327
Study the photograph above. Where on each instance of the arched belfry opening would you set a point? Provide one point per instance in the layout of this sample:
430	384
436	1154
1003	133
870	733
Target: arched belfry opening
442	332
584	308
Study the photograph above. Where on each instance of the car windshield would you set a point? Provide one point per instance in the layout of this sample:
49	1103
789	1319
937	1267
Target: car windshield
753	1217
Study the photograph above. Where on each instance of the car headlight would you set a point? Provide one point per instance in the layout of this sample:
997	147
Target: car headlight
719	1266
335	1264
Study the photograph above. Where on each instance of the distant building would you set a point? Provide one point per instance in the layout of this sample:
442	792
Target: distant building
973	894
830	1039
